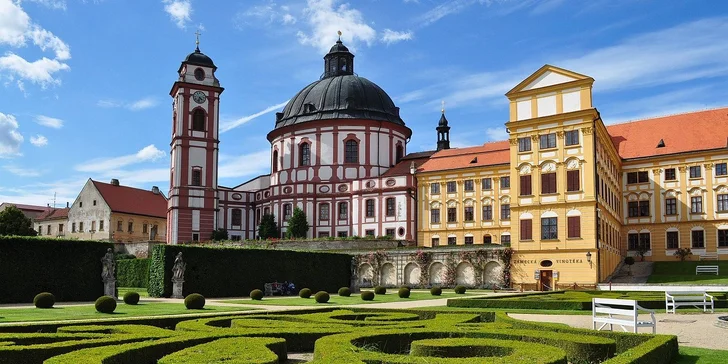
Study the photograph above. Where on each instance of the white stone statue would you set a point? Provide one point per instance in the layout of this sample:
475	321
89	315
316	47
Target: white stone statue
178	269
107	265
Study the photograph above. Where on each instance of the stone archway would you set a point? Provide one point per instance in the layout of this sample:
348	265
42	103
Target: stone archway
388	275
465	274
412	274
493	274
437	270
366	275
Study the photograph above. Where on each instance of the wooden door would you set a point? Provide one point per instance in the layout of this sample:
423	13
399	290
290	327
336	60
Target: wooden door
546	280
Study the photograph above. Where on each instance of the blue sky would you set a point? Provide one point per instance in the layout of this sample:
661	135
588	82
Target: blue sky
85	84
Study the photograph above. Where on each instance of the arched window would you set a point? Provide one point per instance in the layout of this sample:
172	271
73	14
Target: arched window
275	161
237	217
342	62
305	154
198	120
351	151
197	177
400	153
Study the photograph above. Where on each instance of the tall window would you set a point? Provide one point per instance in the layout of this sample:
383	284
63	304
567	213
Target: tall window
468	213
505	182
197	177
451	240
549	229
487	239
722	203
505	240
390	206
101	225
287	211
487	213
236	217
505	211
524	144
343	210
435	216
452	187
638	208
275	161
435	188
673	239
469	185
145	228
671	206
547	141
452	214
324	212
572	181
400	153
73	227
351	151
435	242
670	174
370	208
698	238
198	120
548	183
468	240
571	137
118	226
80	227
573	226
722	238
695	172
637	177
696	204
635	241
526	185
304	155
486	184
721	169
526	229
130	226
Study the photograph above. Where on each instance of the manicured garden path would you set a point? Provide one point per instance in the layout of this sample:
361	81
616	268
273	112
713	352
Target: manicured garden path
684	273
354	299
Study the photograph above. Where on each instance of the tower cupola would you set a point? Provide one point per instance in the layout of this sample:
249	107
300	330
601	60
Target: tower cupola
339	61
443	131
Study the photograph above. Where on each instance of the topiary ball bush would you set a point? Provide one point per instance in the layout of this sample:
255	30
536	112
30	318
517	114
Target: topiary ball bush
304	293
131	298
195	301
435	291
322	297
44	300
460	289
367	295
344	292
257	294
380	290
105	304
404	292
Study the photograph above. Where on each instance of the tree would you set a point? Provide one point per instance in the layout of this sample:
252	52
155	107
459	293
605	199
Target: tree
14	222
268	228
219	234
629	261
297	225
682	253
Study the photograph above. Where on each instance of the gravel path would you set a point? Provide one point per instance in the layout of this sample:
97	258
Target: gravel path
696	330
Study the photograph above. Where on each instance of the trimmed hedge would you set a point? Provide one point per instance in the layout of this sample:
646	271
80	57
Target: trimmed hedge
380	290
257	295
70	269
322	297
404	292
344	292
105	304
460	289
131	298
234	272
236	350
304	293
367	295
132	273
508	351
44	300
195	301
436	291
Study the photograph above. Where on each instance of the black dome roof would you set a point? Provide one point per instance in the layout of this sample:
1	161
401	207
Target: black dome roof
199	59
339	97
338	47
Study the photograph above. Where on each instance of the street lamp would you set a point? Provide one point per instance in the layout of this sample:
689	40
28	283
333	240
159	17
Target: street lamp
588	258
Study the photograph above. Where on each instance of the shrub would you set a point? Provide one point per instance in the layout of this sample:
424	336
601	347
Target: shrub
195	301
435	291
257	294
344	292
367	295
404	292
380	290
44	300
304	293
460	289
131	298
321	297
132	273
105	304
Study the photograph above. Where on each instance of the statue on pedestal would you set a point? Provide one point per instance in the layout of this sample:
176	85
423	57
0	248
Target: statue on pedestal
178	276
108	265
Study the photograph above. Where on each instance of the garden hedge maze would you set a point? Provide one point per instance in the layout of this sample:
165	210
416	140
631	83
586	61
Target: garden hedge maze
338	336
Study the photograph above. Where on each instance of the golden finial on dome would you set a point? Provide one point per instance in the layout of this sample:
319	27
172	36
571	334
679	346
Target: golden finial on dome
443	107
339	33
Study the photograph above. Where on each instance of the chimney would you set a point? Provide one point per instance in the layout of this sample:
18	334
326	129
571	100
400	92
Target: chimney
67	204
155	190
114	182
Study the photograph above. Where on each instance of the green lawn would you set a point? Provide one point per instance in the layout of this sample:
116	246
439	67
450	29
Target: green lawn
689	355
684	273
85	312
338	300
142	291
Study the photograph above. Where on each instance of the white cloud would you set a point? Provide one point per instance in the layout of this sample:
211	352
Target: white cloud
52	4
39	140
39	71
496	134
229	125
149	153
10	137
21	172
245	165
391	36
142	104
49	121
179	10
108	103
326	17
267	14
443	10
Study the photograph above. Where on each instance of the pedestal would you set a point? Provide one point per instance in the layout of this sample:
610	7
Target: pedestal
177	289
110	288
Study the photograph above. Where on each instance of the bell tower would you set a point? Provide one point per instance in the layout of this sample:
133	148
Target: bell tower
192	204
443	131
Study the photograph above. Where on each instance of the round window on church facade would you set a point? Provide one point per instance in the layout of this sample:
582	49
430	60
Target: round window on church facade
400	231
199	74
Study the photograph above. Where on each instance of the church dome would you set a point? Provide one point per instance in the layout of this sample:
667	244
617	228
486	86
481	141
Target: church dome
198	58
339	94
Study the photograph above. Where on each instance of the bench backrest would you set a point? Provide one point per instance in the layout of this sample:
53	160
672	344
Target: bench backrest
696	293
614	306
707	267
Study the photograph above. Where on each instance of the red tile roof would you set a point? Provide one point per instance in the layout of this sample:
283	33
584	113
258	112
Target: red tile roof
52	214
27	207
403	167
131	200
484	155
694	131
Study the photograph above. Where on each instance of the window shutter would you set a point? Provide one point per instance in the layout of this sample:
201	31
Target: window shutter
572	180
574	223
526	230
525	185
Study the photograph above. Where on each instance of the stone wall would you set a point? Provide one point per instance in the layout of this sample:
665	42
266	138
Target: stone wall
141	249
361	244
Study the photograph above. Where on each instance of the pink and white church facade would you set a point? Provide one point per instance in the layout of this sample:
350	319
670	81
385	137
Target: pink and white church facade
338	152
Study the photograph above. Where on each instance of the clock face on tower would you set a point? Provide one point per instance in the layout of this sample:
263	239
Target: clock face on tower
199	97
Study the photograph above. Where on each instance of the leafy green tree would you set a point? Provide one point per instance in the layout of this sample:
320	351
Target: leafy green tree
629	261
14	222
297	225
219	234
268	228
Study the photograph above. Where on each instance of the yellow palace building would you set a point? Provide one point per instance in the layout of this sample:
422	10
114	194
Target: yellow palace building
572	196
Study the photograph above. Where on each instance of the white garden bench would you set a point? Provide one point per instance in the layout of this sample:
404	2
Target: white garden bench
624	313
708	256
674	300
706	269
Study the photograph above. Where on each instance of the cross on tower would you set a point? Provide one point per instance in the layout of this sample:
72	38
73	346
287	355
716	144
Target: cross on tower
197	40
443	106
